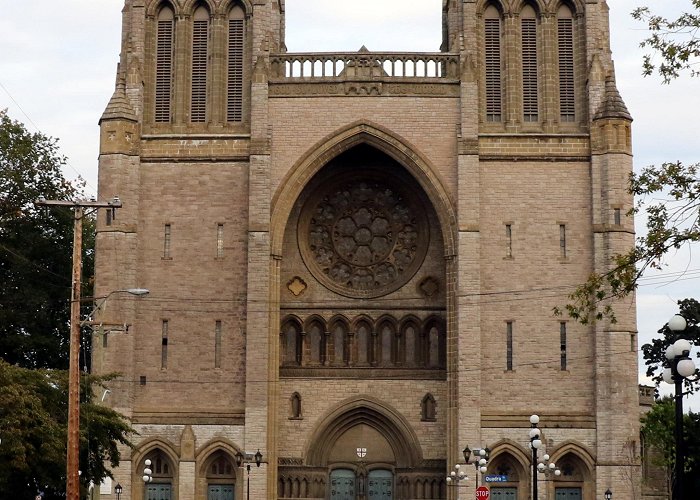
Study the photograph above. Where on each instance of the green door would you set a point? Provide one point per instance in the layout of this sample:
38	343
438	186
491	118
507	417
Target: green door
380	485
504	493
342	484
158	491
568	494
220	492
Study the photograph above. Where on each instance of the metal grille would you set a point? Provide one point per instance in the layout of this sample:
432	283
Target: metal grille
200	42
234	108
529	45
509	345
164	70
567	103
492	30
562	344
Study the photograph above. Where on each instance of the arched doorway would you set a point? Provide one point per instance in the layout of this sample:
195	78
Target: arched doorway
161	486
221	477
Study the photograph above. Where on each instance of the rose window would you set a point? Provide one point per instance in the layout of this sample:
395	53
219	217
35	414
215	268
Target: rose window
361	238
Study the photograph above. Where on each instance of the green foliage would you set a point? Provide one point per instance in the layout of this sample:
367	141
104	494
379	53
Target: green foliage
674	40
672	223
654	352
673	220
658	430
33	429
36	248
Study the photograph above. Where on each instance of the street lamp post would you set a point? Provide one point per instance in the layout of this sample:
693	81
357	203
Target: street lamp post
535	443
118	491
545	467
245	459
608	494
147	472
481	456
680	367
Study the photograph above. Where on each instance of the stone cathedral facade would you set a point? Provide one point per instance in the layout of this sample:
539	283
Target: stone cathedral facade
353	257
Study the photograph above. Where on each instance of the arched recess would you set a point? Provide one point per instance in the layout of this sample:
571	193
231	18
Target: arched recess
364	411
510	459
574	448
506	446
343	140
190	5
227	5
576	6
221	452
146	449
482	5
156	5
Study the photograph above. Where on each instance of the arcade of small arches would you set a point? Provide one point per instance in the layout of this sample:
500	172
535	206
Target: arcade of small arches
363	342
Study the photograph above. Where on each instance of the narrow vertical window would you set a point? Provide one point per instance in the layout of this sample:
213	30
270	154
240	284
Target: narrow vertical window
562	343
217	344
295	406
164	65
234	90
219	241
164	345
529	61
562	241
492	45
166	241
200	58
565	37
509	345
617	215
509	241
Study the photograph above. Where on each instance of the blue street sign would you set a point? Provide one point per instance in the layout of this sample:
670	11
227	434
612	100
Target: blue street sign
495	478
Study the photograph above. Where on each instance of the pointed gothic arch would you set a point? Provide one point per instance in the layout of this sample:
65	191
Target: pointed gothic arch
364	132
364	410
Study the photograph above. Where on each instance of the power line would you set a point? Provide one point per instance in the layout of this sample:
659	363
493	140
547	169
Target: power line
69	165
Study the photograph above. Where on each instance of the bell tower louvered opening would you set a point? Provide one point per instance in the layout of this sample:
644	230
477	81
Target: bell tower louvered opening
164	65
234	88
200	59
565	39
529	64
492	46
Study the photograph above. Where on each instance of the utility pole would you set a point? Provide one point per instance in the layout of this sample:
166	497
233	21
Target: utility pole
73	445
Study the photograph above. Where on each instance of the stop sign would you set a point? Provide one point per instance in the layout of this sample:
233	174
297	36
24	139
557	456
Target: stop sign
482	493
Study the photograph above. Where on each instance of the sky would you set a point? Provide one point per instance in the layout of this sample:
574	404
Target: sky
58	64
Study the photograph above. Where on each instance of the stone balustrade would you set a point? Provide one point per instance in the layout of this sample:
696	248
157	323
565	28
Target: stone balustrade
364	65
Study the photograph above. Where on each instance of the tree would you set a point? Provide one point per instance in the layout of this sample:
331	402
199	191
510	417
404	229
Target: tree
35	249
33	428
674	187
675	40
658	427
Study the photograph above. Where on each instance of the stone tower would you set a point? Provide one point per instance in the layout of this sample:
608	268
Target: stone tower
353	257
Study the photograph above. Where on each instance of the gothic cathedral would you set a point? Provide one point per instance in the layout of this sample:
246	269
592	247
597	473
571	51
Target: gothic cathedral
353	258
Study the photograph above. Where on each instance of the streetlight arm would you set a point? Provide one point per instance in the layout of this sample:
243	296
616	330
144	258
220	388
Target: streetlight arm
138	292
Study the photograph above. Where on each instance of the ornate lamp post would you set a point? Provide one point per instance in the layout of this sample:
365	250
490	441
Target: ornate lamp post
679	367
456	476
481	457
535	444
147	472
545	467
548	468
245	459
118	491
608	494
